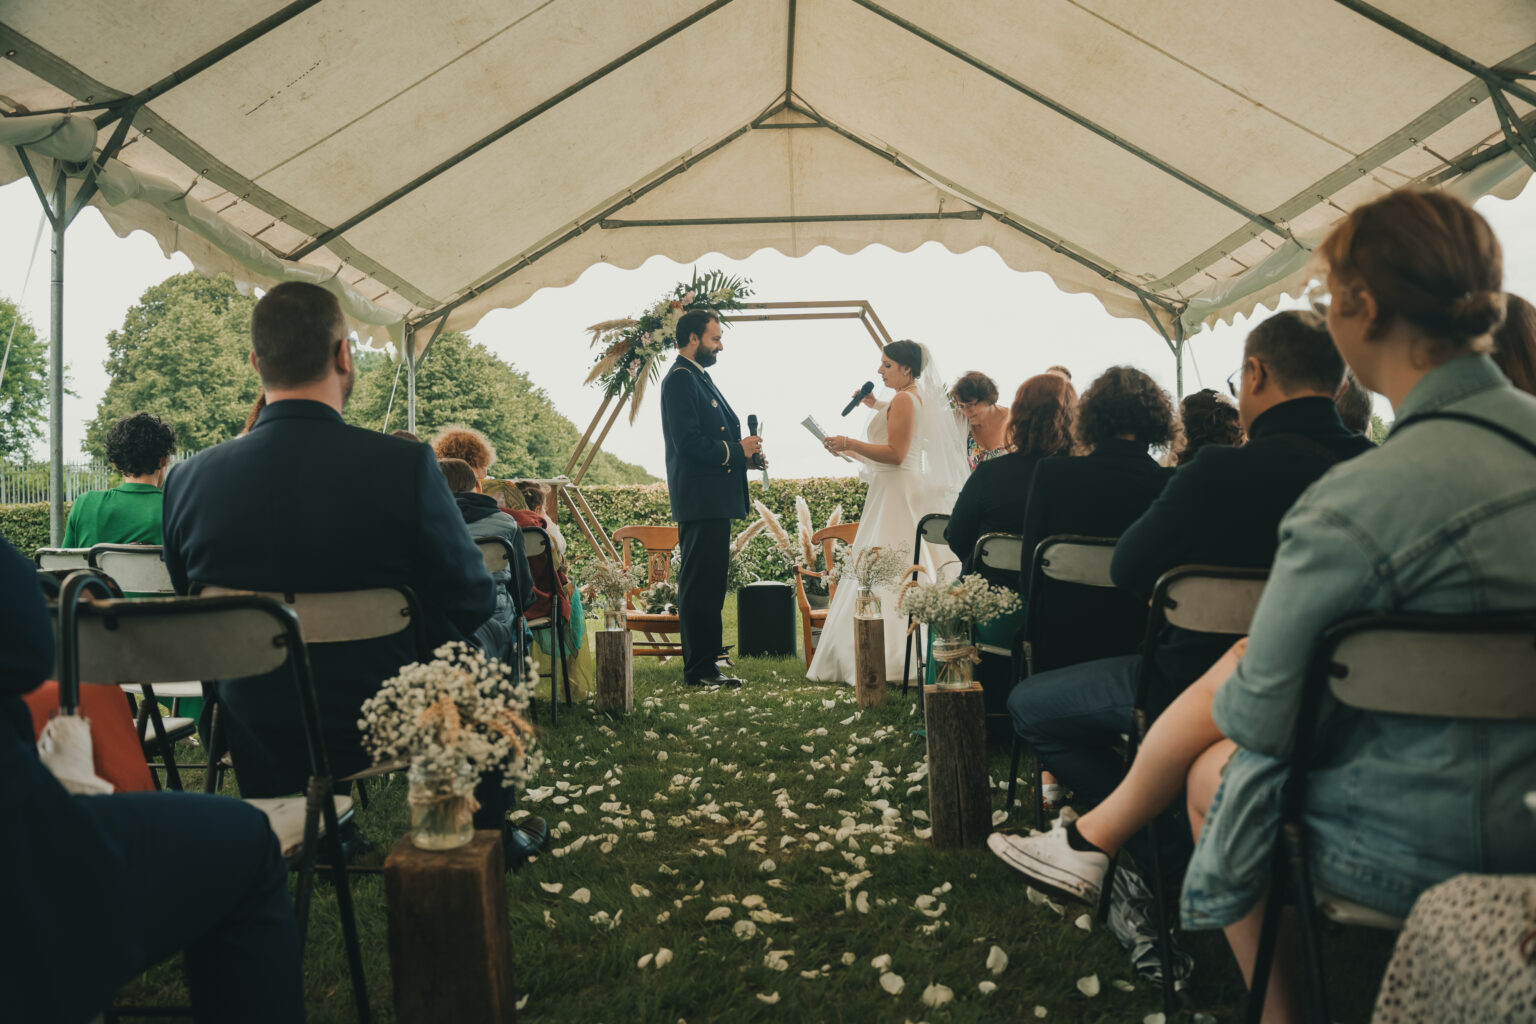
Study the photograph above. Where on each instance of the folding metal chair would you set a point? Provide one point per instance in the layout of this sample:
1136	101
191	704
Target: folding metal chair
496	553
930	528
116	642
1067	559
62	558
536	542
1456	667
1209	599
137	568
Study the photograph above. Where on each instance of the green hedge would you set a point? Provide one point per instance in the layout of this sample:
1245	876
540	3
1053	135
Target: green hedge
26	526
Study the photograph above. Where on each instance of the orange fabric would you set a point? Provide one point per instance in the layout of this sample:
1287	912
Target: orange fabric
114	741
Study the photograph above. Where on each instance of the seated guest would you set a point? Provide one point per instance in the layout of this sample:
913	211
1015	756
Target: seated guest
497	636
1040	426
1354	404
405	435
140	446
278	510
1060	371
1206	418
1438	520
80	920
975	396
467	443
1514	345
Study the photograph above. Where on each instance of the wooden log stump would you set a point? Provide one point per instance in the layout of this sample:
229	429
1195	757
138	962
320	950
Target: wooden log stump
959	806
869	662
450	949
615	671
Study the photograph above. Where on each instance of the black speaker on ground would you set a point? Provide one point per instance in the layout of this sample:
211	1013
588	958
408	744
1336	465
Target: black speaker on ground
765	620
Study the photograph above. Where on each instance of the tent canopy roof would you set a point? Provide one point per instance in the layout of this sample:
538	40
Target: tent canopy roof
1177	160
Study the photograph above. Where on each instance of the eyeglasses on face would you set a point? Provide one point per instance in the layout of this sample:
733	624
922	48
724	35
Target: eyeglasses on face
1317	298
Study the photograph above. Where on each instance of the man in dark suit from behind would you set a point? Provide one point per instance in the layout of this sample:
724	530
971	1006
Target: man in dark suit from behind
281	509
707	461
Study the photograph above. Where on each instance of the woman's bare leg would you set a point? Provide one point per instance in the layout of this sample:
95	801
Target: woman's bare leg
1179	736
1243	936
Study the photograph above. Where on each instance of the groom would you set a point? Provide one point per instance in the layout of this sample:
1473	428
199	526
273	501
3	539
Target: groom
707	480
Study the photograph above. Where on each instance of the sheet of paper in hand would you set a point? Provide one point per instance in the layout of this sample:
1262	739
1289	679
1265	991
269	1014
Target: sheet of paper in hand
809	423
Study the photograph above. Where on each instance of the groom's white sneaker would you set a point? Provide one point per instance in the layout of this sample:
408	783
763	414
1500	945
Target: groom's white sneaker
1049	863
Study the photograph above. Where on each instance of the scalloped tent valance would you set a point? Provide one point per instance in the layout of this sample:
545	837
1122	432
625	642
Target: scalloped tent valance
431	163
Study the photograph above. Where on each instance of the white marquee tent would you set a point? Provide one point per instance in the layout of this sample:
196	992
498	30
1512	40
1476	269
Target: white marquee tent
432	162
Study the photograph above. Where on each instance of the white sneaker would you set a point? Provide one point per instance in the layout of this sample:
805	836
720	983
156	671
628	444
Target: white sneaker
1048	863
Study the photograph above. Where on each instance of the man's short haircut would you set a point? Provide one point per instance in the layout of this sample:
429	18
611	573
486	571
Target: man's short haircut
1354	404
294	330
137	444
459	474
1296	348
405	435
695	321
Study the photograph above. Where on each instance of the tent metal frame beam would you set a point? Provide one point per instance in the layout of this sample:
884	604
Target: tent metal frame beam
1080	120
828	218
511	126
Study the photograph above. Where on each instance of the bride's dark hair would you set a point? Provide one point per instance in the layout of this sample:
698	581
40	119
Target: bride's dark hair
908	354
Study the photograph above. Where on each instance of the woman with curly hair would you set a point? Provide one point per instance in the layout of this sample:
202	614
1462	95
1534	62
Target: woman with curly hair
1207	418
467	443
140	446
975	396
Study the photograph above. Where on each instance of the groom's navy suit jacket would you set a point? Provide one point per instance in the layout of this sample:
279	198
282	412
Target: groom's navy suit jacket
706	467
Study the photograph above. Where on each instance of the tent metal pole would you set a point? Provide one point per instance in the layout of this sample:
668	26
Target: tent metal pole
56	366
410	378
1178	359
819	218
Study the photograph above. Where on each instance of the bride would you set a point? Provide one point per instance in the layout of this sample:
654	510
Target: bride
914	463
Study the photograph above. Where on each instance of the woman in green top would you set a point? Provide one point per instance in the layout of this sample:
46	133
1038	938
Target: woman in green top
140	446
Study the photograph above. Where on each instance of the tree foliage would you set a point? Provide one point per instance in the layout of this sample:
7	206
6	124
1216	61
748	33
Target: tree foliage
24	389
183	355
462	382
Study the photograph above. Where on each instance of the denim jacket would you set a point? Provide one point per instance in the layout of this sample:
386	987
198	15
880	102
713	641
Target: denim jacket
1442	518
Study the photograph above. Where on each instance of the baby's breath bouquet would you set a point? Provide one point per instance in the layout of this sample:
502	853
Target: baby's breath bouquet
951	610
610	581
454	719
874	568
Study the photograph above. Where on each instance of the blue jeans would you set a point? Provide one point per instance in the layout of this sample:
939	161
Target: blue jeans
1073	719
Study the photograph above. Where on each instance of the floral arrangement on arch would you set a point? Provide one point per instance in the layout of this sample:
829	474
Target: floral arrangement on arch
632	350
456	718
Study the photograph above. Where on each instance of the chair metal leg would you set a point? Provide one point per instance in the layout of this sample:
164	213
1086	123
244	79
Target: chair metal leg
1269	932
162	741
1039	796
1101	914
906	663
362	794
1013	772
344	907
1160	910
1306	920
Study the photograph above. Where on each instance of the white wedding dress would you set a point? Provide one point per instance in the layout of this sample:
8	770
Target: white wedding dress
926	481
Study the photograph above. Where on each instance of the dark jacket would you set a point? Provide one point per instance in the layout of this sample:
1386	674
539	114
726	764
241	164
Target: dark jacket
1224	507
282	509
1095	495
514	585
991	501
706	466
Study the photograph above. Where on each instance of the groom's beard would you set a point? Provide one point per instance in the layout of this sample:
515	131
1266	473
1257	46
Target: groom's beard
705	358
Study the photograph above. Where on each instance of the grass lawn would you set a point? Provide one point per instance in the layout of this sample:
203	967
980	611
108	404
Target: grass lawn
794	818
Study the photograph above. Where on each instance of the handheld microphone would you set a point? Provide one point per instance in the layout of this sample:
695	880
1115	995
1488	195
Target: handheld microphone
752	424
757	460
868	387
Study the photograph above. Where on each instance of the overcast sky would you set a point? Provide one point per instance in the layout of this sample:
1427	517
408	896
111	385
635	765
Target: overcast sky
970	309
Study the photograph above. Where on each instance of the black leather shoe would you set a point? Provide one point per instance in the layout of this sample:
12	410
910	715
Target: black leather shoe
713	681
524	839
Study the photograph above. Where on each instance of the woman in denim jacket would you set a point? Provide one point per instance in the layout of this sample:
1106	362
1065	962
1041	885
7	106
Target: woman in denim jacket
1438	520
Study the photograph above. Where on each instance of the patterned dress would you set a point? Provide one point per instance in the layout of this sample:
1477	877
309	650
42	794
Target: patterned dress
975	455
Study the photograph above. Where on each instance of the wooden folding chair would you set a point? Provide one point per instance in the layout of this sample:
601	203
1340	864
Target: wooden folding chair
931	528
812	619
658	542
1451	667
120	642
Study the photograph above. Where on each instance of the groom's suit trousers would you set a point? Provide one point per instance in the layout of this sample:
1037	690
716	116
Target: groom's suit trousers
705	546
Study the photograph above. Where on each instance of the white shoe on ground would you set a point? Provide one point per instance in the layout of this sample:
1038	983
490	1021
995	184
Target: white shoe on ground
1048	863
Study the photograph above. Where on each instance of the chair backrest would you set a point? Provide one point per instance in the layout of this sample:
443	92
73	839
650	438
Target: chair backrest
62	558
495	552
1073	611
345	615
137	568
999	551
1439	666
658	542
931	528
1069	558
1209	598
827	537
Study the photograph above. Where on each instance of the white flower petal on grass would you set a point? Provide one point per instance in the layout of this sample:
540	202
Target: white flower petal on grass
1123	985
582	895
881	962
1040	1011
1205	1018
638	891
998	817
645	961
661	755
861	904
986	988
997	960
770	999
767	866
1036	896
1084	922
663	956
753	902
522	1002
849	959
718	914
552	887
1154	1018
937	995
810	975
744	929
1089	986
892	983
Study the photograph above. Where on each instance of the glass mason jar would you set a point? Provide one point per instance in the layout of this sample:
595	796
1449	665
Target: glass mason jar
615	618
952	659
441	808
866	604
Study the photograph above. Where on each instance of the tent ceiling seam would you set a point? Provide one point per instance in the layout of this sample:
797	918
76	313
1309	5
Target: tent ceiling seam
1061	109
326	236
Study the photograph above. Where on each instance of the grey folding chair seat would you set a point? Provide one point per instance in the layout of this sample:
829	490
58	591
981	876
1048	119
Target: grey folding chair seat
62	558
930	528
118	642
1451	667
137	568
